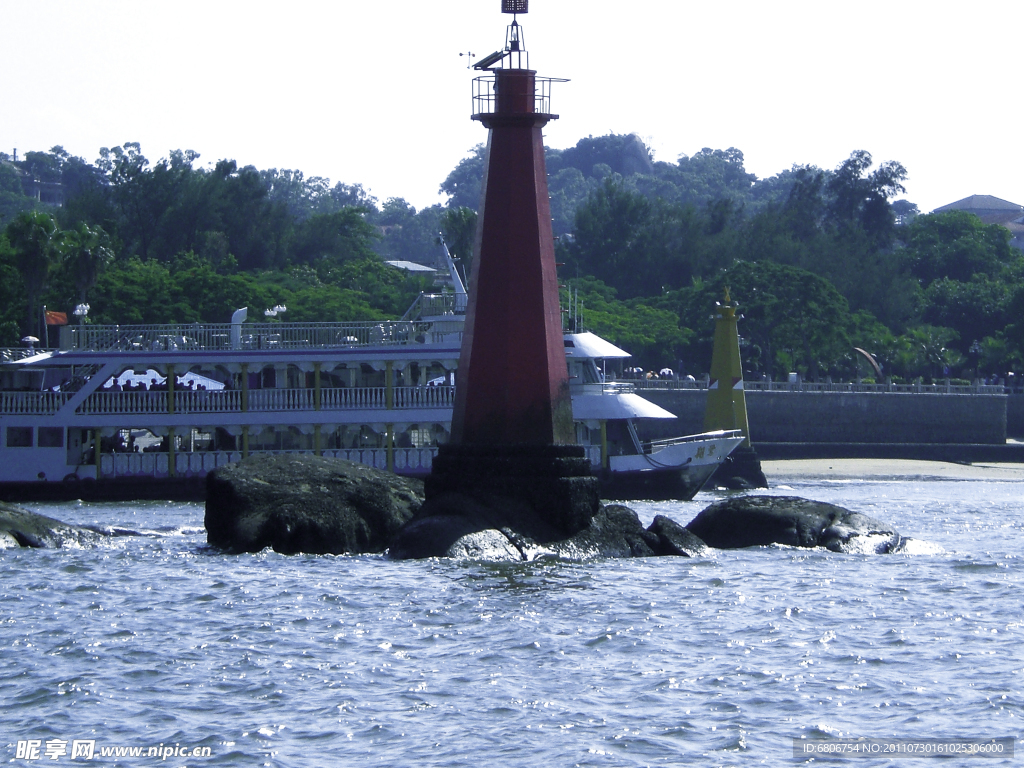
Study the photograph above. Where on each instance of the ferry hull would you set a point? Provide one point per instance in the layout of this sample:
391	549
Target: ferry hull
680	484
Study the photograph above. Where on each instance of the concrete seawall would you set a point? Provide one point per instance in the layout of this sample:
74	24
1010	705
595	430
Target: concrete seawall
1015	415
847	417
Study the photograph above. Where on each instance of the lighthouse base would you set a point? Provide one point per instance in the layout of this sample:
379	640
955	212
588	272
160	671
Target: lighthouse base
740	471
548	490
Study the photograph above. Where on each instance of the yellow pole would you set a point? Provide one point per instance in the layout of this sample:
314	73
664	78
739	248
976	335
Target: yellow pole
245	387
170	389
604	444
316	386
96	448
726	405
389	385
391	447
316	439
170	449
245	441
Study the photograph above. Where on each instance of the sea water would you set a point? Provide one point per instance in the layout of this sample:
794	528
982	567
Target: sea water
160	644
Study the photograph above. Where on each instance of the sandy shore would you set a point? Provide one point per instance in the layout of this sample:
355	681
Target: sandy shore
839	469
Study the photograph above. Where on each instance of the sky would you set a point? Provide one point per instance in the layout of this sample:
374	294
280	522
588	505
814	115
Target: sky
376	93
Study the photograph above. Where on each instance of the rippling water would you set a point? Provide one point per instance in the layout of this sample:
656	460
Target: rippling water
308	661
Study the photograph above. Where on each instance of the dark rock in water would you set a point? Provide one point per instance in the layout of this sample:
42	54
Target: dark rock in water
740	471
297	503
750	521
21	528
502	529
674	539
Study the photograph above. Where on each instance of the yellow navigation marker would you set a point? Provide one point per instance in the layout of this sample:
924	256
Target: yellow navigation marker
727	406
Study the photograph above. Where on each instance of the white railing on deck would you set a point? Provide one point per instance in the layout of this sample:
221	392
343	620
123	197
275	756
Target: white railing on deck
808	386
247	336
32	402
107	402
200	463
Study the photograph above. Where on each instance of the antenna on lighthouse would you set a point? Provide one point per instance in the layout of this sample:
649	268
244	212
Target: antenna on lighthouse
515	44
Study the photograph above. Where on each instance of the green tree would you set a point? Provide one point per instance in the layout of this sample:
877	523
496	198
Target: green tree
34	238
792	318
859	199
956	245
651	335
85	252
458	226
464	183
11	295
334	238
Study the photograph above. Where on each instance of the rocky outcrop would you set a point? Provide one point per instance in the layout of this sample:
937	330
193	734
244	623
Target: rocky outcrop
299	503
750	521
21	528
500	529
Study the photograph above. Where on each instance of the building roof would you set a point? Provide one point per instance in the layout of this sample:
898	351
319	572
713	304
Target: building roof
982	203
410	266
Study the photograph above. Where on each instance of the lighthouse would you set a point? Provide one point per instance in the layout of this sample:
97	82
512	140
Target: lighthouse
513	440
513	383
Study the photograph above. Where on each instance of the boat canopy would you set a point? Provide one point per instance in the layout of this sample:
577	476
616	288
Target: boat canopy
606	407
589	345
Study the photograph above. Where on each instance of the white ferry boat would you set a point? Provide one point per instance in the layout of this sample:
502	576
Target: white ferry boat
146	411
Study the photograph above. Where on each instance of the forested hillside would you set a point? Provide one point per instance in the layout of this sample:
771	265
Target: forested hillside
821	260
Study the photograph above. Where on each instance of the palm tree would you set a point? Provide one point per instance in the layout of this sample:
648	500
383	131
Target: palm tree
85	253
35	239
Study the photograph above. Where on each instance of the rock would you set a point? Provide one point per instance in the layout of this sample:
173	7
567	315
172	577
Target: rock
501	529
298	503
751	521
20	527
740	471
674	539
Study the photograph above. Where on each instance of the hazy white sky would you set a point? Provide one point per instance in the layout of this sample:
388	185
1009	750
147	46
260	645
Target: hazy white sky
375	92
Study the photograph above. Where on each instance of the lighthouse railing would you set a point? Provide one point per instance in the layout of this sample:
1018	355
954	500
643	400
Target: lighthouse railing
485	96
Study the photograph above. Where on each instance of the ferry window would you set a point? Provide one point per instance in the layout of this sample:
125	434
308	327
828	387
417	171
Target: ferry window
51	437
19	437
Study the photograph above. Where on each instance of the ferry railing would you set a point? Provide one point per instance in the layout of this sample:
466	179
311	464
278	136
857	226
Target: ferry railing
109	402
253	336
840	387
32	402
12	354
436	305
200	463
425	397
656	444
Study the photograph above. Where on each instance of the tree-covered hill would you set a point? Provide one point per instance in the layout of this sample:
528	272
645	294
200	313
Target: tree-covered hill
821	260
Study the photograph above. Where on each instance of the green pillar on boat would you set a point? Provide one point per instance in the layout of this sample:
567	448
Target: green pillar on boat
316	438
389	384
170	389
170	442
390	443
726	404
316	394
99	455
604	444
245	388
245	441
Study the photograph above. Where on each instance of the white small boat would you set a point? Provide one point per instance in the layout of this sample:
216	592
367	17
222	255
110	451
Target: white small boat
605	413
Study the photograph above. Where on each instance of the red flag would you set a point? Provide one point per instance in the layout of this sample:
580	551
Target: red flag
56	318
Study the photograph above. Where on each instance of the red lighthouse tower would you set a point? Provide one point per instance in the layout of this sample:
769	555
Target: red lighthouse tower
513	439
513	384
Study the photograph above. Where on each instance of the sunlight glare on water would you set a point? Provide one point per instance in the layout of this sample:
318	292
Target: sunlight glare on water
303	660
